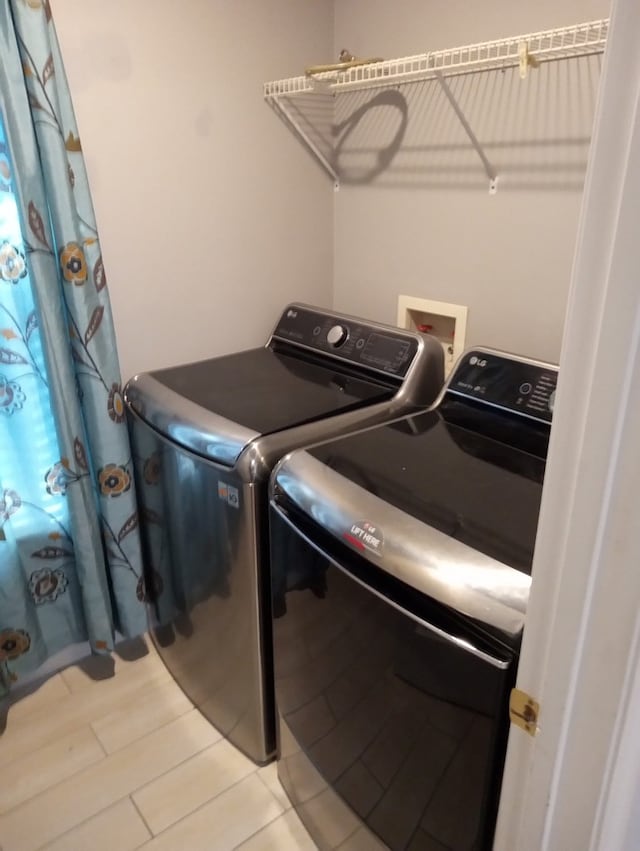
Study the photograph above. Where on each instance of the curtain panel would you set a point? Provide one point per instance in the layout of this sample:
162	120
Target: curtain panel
70	559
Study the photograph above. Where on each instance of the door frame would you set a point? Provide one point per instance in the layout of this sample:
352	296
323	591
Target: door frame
581	649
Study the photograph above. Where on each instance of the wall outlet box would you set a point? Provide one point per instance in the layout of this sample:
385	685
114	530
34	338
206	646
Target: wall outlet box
446	322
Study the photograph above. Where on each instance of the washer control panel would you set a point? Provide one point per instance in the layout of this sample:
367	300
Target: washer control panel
387	350
518	385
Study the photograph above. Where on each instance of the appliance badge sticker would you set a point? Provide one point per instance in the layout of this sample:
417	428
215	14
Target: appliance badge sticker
364	535
229	494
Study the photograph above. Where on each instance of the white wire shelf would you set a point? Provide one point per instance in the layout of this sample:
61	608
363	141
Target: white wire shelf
523	51
562	43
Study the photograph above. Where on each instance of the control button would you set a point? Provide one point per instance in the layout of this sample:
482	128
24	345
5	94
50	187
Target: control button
525	388
337	335
552	401
316	330
360	343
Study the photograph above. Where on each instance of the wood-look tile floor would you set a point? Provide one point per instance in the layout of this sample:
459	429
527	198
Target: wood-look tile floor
126	762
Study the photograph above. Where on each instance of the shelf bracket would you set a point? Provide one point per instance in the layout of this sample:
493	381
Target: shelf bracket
525	59
289	118
489	169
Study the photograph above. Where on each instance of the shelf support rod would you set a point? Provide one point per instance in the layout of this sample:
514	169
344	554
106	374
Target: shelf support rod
489	169
284	113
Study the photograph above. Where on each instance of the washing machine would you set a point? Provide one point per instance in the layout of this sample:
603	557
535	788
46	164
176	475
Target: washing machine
401	563
205	438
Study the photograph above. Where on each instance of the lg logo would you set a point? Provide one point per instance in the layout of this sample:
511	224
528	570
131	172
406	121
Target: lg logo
475	361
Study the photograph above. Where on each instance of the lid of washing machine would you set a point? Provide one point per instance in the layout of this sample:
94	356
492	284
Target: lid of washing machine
473	467
467	483
450	513
447	500
268	391
217	407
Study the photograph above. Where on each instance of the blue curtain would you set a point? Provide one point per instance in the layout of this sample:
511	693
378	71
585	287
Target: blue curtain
70	563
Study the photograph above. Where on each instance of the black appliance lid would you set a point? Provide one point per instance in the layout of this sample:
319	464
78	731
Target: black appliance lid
351	517
465	483
268	391
446	501
451	512
217	407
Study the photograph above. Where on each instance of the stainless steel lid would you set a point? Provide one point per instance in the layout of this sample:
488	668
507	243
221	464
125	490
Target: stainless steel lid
421	556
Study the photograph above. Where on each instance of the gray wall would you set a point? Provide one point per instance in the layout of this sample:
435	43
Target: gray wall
211	215
413	215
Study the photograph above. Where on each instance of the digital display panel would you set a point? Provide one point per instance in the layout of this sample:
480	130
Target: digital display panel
381	349
512	384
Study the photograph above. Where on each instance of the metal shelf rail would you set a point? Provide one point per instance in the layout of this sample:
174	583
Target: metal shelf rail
522	51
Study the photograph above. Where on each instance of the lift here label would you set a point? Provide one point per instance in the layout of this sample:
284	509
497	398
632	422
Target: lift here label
364	535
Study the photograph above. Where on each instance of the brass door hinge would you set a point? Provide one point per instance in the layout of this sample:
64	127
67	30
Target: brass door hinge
524	711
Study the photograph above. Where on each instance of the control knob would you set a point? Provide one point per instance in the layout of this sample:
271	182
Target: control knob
337	335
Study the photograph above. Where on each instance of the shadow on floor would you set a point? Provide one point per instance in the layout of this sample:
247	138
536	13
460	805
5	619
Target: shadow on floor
97	667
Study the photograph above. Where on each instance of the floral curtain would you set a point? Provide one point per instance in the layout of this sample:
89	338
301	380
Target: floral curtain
70	563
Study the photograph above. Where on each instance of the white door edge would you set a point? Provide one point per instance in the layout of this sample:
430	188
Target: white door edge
578	645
